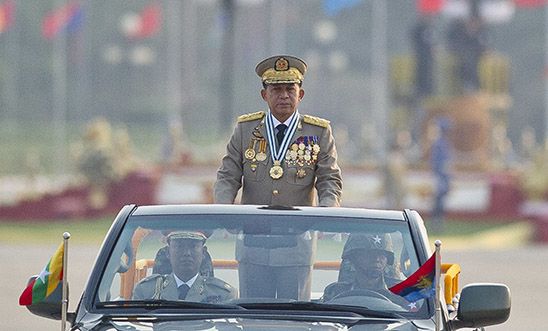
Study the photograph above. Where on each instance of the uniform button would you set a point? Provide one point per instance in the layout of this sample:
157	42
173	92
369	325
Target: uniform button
275	192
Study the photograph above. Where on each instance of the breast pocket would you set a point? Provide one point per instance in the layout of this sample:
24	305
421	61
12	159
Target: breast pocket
254	171
298	175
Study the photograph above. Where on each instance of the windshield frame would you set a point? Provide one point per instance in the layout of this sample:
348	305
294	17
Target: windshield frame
300	222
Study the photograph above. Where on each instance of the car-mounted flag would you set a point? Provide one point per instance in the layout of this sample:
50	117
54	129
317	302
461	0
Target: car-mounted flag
49	280
424	283
420	285
50	286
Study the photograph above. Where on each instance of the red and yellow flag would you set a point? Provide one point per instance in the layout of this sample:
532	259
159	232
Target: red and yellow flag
40	288
420	284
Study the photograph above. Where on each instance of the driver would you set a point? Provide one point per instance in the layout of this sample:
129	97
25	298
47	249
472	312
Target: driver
185	252
370	256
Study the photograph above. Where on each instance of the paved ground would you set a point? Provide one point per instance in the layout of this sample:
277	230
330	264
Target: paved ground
522	268
499	256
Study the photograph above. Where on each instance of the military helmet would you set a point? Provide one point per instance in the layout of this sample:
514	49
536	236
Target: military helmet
378	242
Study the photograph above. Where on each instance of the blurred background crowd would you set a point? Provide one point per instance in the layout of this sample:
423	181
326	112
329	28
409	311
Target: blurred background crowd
93	90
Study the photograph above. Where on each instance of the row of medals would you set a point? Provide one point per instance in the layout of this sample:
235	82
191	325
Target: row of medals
299	153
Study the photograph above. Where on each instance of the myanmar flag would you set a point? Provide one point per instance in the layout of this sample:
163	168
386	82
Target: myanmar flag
420	284
40	288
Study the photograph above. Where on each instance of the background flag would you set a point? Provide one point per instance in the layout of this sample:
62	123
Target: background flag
45	284
530	3
149	22
7	15
333	7
67	18
420	284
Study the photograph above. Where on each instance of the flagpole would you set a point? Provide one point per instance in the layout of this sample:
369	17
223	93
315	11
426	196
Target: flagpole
64	307
437	285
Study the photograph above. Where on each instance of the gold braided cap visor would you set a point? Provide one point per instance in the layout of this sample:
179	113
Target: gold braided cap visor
186	235
289	76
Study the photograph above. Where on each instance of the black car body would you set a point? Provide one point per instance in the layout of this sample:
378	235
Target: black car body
130	250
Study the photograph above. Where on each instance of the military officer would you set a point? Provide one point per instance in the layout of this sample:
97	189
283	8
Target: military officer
185	252
370	255
279	157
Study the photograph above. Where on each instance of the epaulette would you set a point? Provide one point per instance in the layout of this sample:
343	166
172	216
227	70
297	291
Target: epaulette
317	121
251	116
219	283
151	277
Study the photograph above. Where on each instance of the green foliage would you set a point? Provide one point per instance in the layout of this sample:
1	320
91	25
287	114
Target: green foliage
83	231
92	231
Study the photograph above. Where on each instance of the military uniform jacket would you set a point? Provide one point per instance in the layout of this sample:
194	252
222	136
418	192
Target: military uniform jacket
294	188
300	177
204	289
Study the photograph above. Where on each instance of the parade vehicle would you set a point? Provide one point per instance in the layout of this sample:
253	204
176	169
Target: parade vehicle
417	295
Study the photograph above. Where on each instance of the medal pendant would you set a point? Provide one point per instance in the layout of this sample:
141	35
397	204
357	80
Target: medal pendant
276	172
301	173
249	153
260	156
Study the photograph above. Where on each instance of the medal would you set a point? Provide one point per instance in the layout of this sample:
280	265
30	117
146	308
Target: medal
276	172
278	153
301	173
250	151
261	156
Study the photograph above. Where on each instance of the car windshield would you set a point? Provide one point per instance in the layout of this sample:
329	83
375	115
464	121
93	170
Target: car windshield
261	261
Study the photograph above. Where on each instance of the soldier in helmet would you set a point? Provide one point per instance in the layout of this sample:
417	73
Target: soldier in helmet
370	257
185	252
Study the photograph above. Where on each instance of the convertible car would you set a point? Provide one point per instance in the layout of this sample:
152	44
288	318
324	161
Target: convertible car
132	284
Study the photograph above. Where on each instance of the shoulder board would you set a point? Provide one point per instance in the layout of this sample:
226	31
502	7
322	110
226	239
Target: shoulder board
317	121
251	116
149	278
218	283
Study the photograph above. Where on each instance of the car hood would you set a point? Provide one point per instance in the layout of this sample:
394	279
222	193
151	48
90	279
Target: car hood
260	324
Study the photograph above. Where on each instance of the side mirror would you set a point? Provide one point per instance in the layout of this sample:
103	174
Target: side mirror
47	310
482	305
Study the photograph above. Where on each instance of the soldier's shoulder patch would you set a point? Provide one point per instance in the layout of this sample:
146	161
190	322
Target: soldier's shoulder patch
251	116
219	283
317	121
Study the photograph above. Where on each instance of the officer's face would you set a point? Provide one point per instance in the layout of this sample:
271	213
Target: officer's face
282	99
186	257
370	263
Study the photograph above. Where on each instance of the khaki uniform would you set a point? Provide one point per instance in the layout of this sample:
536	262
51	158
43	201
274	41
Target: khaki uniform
296	186
204	289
